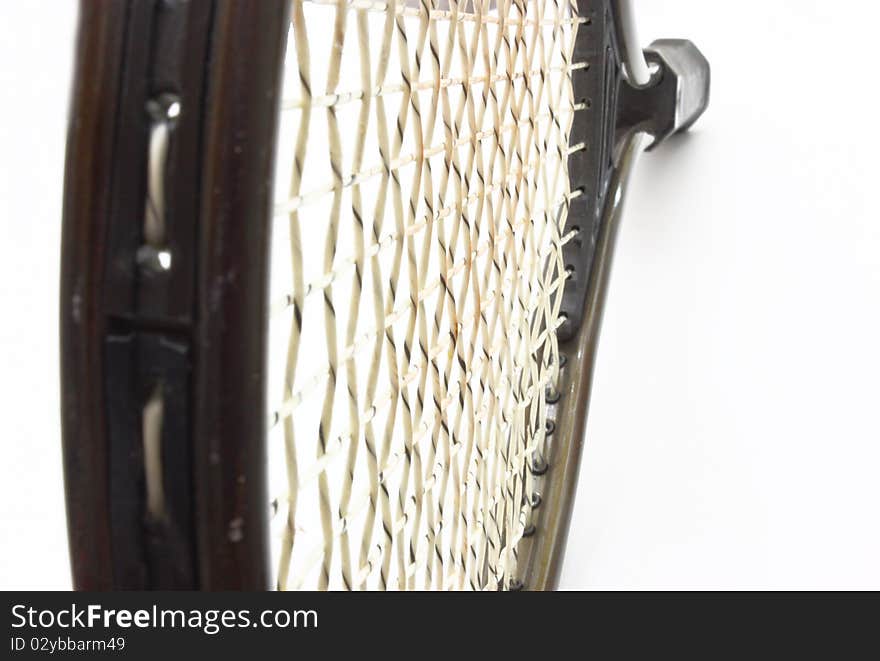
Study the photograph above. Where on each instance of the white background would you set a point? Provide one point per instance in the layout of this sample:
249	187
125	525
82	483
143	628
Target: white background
734	433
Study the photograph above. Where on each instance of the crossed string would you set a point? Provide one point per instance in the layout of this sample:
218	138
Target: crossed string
412	470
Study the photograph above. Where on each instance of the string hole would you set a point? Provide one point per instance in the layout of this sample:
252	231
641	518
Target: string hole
164	107
163	257
538	467
158	260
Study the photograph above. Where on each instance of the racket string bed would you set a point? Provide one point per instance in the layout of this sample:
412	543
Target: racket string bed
417	272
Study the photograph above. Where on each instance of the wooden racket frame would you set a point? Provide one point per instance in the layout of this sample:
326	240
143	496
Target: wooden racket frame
200	329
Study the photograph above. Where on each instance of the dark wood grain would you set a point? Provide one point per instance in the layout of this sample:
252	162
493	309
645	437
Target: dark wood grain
90	141
223	57
232	503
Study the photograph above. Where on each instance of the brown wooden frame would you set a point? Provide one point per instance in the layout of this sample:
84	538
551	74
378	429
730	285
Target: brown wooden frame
200	329
224	315
223	58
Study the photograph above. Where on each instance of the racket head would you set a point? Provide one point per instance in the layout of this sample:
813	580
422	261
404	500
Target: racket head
200	328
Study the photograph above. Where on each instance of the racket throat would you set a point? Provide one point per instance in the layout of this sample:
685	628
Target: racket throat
675	98
611	106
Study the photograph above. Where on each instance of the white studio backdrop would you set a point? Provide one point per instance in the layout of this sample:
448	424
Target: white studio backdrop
734	431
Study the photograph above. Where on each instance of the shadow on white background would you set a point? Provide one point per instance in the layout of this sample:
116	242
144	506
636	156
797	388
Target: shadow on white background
734	436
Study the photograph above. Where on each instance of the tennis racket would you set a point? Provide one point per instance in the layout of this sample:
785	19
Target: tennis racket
332	281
